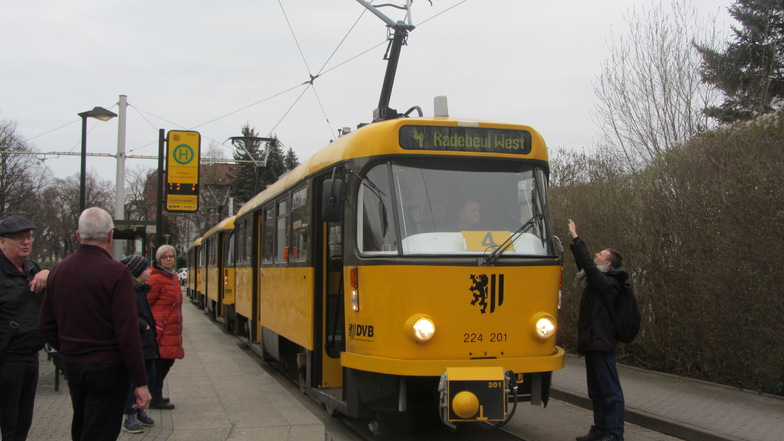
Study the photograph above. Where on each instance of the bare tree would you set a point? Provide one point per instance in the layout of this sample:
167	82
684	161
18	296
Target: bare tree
21	176
214	153
141	203
58	213
650	90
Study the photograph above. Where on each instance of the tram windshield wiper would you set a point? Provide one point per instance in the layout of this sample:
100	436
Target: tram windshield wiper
382	207
369	184
490	259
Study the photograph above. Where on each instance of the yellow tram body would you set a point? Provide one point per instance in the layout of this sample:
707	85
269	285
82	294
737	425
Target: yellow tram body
218	245
201	276
347	270
243	291
287	303
464	337
192	263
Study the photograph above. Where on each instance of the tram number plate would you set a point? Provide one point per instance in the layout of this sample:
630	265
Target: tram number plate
492	337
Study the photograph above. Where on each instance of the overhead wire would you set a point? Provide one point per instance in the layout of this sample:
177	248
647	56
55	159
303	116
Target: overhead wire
354	57
249	105
288	23
26	140
139	111
309	83
50	131
440	13
343	41
272	130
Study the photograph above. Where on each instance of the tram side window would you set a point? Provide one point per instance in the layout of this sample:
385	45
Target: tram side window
335	241
282	232
247	240
300	223
228	253
241	243
213	252
268	232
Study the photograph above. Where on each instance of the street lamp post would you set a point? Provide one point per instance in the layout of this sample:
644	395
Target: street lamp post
98	113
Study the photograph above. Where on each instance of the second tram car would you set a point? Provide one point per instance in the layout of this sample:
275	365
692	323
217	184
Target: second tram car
360	271
218	246
192	290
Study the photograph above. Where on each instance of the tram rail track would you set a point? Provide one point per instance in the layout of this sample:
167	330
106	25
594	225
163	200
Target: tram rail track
532	423
486	432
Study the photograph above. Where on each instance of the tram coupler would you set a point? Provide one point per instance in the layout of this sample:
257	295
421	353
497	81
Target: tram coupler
473	394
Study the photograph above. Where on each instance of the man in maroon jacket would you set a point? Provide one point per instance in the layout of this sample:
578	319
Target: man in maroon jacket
89	315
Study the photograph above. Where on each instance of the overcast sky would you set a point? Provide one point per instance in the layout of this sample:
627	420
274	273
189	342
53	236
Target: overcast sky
215	66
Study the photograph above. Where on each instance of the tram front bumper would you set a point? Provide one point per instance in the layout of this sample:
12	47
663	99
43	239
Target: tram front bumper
473	394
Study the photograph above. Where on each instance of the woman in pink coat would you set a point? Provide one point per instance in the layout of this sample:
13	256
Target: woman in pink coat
165	299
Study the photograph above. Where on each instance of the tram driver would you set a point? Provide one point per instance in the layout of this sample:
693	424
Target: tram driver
468	217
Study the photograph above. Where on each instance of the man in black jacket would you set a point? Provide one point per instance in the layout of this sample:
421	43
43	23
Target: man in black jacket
21	289
602	278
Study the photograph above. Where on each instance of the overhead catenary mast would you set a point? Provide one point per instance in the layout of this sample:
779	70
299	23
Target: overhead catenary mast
399	33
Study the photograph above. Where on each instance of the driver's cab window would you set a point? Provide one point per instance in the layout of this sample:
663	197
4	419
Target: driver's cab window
375	217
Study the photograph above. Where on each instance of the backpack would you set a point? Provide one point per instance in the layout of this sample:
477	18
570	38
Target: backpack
626	315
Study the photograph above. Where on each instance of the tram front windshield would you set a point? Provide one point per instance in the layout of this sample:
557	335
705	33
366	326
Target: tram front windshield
456	208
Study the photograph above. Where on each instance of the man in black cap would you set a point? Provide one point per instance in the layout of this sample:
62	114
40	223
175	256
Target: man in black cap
21	289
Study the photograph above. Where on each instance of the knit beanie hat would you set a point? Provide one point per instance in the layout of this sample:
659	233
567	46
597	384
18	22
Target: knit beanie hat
137	265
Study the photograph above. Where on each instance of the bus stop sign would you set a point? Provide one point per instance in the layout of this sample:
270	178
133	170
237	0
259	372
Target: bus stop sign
182	171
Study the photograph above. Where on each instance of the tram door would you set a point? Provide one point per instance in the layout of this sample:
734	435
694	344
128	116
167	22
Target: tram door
333	322
334	343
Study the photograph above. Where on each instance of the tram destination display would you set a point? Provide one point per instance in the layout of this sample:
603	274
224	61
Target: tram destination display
465	139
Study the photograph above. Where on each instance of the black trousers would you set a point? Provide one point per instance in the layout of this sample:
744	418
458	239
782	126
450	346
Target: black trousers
98	393
162	367
150	365
605	392
18	382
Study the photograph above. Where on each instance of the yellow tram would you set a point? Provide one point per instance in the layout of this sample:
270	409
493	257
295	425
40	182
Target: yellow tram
360	272
218	248
192	259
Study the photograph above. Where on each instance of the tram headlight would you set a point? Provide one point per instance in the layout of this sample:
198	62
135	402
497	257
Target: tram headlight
544	326
421	328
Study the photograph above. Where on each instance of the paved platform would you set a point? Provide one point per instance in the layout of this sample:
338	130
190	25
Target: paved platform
220	393
680	407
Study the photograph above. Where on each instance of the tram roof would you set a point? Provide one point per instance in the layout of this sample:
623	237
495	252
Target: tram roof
225	224
196	242
382	139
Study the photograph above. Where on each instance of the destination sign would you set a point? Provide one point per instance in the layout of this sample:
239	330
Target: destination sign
465	139
182	189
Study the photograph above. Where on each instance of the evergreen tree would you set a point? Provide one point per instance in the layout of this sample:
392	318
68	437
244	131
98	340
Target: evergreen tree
291	159
275	165
260	166
750	71
244	176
